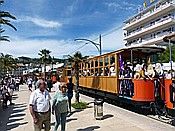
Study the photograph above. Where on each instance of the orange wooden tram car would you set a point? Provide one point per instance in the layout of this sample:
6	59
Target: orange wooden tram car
101	77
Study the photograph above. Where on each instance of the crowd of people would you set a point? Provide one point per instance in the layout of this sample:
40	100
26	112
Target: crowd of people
39	103
144	71
7	86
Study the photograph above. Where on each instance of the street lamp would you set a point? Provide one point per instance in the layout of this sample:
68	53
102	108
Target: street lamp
96	44
170	39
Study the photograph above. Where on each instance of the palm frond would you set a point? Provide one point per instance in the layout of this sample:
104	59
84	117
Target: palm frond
4	38
7	14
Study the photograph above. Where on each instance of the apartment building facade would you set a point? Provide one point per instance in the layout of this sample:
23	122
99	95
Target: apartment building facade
151	25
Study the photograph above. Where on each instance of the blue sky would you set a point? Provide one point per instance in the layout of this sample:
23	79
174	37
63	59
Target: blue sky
54	24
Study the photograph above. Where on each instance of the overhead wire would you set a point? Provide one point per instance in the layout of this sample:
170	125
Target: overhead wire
103	35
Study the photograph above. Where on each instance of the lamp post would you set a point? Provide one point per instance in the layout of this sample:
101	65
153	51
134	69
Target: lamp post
96	44
170	39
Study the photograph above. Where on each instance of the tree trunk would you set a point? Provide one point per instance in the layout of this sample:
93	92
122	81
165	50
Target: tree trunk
77	82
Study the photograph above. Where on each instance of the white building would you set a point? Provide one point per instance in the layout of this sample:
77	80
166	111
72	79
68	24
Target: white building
151	25
54	66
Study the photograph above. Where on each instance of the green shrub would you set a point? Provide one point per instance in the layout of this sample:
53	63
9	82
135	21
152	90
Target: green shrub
80	105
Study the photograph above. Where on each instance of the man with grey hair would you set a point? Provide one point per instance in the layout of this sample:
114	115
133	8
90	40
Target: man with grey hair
39	106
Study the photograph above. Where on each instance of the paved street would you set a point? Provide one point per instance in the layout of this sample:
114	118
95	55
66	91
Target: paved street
17	118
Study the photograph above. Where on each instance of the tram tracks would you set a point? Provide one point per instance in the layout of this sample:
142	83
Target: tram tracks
163	119
146	112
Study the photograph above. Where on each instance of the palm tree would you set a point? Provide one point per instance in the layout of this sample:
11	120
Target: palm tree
45	57
7	63
3	21
76	58
4	38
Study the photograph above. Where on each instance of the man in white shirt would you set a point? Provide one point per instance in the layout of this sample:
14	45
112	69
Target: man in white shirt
39	106
57	84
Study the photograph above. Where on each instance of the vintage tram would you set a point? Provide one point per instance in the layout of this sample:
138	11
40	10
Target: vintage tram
103	77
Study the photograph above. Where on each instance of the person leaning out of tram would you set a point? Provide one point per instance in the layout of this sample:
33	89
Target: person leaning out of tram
138	71
143	72
127	71
151	72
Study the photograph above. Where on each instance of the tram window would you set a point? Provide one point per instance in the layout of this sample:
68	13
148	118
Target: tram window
106	61
101	72
96	63
106	71
92	72
96	72
112	60
88	72
80	73
68	72
92	64
101	62
88	65
82	65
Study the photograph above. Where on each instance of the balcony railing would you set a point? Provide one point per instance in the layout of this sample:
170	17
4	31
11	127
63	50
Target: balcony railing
157	8
151	25
143	40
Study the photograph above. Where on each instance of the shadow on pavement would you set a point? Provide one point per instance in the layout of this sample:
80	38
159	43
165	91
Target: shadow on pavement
11	117
17	115
12	126
14	97
71	119
68	120
14	120
107	116
75	111
91	128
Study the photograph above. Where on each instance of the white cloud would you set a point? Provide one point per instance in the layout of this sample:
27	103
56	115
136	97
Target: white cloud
40	22
25	47
71	8
115	6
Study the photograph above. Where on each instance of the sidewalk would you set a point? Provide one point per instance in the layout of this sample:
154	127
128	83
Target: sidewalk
18	118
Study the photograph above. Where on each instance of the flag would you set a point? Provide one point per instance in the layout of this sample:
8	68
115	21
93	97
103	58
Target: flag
144	4
151	1
121	62
142	9
138	9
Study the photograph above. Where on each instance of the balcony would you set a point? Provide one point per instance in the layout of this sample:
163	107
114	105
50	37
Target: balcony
157	40
156	12
158	25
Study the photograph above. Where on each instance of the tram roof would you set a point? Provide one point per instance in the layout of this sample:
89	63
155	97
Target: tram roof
146	49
